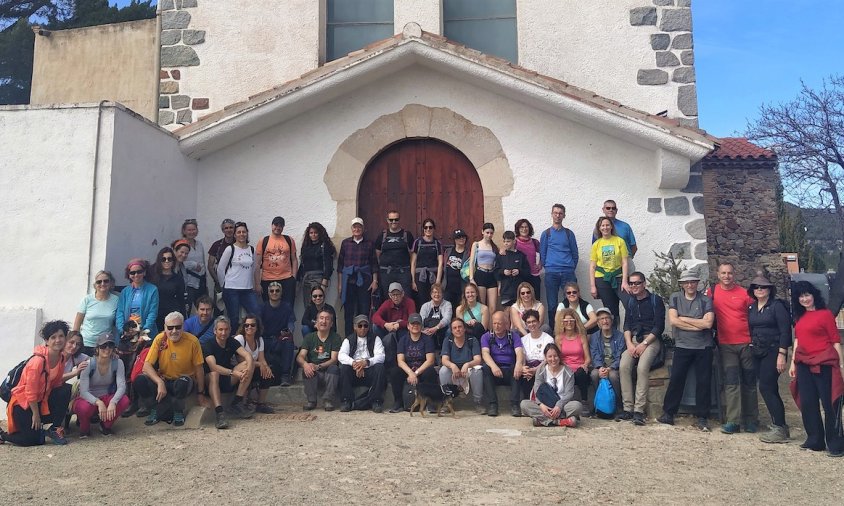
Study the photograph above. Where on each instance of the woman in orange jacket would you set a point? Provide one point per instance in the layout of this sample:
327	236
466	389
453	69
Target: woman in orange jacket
38	399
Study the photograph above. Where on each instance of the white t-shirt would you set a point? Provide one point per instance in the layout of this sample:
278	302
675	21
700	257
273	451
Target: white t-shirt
240	273
534	348
242	341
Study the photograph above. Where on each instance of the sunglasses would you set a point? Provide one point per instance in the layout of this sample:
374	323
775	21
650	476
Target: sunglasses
524	293
611	208
174	327
572	293
102	281
363	325
106	345
760	287
275	290
135	273
317	296
393	220
427	227
250	325
167	259
635	283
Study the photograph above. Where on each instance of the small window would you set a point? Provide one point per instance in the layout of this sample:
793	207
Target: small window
486	25
354	24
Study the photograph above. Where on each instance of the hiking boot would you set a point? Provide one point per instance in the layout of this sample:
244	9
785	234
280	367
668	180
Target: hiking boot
666	419
377	407
751	427
839	453
431	409
240	411
285	380
264	408
309	406
777	434
730	428
178	418
807	446
131	410
515	411
542	421
638	418
57	435
480	409
105	431
143	411
492	410
567	422
221	422
152	417
702	425
346	407
328	405
397	408
624	416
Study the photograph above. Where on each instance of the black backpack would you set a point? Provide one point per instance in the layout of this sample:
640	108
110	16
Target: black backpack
14	377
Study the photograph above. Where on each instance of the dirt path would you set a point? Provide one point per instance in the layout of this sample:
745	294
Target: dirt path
367	458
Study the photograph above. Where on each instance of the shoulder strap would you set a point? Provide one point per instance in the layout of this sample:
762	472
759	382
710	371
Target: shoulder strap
229	264
289	248
583	305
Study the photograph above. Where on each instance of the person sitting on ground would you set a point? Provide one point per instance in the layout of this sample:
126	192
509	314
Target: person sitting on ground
414	361
318	360
316	305
474	314
222	376
605	347
644	322
504	357
526	300
38	398
512	270
172	368
139	300
583	309
436	315
202	323
574	348
102	389
461	359
249	335
279	323
565	411
534	343
362	364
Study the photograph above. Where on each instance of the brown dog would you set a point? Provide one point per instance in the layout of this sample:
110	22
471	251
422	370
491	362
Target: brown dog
429	392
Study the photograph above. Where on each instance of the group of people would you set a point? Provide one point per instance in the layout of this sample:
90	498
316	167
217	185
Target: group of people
479	324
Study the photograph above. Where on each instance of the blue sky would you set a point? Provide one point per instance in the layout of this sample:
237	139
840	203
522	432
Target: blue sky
750	52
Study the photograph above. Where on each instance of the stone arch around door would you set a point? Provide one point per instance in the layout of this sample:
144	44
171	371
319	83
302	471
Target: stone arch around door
343	174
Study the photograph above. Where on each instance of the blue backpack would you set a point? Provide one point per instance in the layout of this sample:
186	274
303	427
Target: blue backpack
605	398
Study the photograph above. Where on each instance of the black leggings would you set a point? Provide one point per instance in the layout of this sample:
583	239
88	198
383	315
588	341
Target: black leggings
177	390
398	380
26	435
581	381
766	372
610	298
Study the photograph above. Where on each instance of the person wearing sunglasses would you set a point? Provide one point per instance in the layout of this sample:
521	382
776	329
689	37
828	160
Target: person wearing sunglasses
139	300
584	310
392	248
172	369
622	228
250	336
170	283
279	323
97	312
361	360
312	309
426	262
525	301
102	389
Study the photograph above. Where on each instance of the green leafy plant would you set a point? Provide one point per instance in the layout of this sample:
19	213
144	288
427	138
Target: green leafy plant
664	280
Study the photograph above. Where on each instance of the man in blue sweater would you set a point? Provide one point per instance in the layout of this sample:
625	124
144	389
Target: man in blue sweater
558	255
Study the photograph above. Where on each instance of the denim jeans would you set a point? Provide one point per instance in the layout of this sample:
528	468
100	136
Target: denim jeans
553	282
234	299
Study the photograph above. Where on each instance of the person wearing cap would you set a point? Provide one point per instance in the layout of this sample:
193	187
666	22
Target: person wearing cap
730	302
318	360
172	368
770	339
102	389
691	316
358	268
216	249
279	323
454	258
138	300
392	249
276	260
606	345
361	360
392	315
414	361
504	356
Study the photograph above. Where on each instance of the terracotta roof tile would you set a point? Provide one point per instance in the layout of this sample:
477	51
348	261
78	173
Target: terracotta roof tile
739	148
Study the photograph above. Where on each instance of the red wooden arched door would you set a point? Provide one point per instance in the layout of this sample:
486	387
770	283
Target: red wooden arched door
422	178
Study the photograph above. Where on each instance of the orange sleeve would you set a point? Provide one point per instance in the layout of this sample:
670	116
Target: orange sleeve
34	380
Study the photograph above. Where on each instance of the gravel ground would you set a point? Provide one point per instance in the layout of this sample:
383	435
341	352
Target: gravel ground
361	457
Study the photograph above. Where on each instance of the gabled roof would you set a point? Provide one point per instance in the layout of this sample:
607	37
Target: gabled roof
739	148
413	46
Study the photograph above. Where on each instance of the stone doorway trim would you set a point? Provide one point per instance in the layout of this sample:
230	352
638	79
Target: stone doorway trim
479	144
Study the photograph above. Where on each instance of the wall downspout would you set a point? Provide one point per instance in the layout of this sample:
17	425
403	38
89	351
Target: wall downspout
94	192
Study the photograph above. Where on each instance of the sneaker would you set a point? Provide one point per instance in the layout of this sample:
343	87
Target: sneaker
143	411
730	428
84	435
178	418
666	419
542	421
131	410
285	380
492	410
807	446
105	431
624	416
57	435
431	409
328	405
751	427
567	422
152	417
515	411
309	406
264	408
777	434
702	425
3	435
397	408
638	418
480	409
240	411
221	422
346	407
839	453
377	407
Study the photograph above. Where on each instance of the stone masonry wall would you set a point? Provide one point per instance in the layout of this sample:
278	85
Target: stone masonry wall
673	48
177	53
741	219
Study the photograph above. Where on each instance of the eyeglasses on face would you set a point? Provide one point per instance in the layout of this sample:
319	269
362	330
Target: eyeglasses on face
102	281
250	325
611	208
317	296
635	283
174	327
135	273
274	290
428	227
167	259
393	220
571	292
568	320
524	293
363	325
